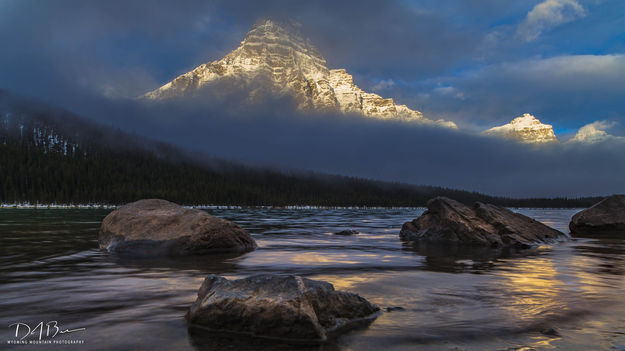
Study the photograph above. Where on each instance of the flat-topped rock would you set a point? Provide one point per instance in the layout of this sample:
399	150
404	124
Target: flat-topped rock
605	218
449	222
157	227
283	307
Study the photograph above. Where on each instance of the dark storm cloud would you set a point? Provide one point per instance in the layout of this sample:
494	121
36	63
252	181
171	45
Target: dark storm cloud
127	47
52	49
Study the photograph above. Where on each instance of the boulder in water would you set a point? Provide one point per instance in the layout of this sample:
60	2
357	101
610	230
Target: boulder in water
606	218
157	227
283	307
449	222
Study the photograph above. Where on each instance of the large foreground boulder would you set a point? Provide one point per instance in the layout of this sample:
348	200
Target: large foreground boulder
284	307
158	227
606	218
449	222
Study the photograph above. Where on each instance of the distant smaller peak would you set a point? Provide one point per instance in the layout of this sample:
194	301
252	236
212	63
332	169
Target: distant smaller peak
525	128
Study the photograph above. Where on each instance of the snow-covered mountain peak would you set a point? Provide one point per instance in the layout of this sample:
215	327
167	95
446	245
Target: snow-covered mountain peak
526	129
276	45
285	63
269	30
526	121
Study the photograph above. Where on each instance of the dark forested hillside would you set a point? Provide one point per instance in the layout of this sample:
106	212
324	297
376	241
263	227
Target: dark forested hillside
49	156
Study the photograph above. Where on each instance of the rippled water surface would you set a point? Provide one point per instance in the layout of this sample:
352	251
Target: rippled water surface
569	296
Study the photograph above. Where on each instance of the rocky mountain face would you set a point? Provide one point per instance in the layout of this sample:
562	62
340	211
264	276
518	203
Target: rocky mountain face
526	129
275	58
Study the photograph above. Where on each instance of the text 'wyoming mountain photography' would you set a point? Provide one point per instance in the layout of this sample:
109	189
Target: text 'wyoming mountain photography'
312	175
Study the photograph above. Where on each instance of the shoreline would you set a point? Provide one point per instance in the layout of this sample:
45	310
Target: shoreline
224	207
27	205
235	207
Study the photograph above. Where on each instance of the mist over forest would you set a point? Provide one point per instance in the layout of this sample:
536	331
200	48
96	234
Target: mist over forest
50	155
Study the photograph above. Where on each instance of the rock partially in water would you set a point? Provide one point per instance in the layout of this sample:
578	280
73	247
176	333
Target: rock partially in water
605	219
347	232
161	228
449	222
553	332
283	307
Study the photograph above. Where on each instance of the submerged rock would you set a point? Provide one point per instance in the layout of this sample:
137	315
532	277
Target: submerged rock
551	332
449	222
157	227
284	307
605	218
346	232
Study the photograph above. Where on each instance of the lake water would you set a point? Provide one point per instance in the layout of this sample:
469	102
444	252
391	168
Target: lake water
569	296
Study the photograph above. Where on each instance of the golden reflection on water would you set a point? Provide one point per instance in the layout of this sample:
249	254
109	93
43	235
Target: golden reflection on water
383	290
310	258
532	288
347	283
593	284
314	258
586	281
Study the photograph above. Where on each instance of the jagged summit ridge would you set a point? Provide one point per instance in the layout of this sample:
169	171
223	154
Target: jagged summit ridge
270	51
288	64
526	129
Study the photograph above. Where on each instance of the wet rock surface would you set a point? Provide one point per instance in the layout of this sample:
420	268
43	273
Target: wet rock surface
449	222
281	307
156	227
605	219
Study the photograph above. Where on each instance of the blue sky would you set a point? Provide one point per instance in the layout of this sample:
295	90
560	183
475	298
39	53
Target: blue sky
479	63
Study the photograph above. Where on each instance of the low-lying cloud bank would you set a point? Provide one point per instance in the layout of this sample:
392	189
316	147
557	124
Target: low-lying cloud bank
273	134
